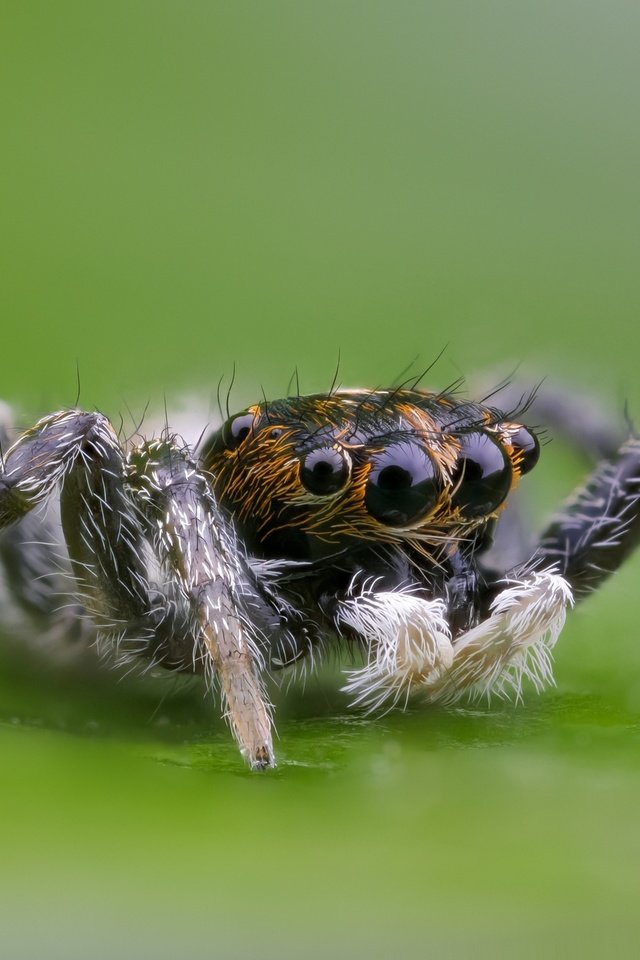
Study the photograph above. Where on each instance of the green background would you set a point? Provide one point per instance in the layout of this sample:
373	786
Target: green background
189	186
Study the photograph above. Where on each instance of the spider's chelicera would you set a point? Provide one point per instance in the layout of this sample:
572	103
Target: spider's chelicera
350	518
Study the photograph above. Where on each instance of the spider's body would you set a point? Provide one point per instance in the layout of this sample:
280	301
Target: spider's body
400	487
354	516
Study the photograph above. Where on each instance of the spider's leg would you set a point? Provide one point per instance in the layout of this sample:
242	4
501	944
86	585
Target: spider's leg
575	418
598	527
59	449
34	567
37	577
194	540
103	535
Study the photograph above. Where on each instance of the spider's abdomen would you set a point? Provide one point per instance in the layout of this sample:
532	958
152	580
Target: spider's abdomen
308	477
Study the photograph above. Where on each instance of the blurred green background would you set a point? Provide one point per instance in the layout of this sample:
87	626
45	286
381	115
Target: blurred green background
189	186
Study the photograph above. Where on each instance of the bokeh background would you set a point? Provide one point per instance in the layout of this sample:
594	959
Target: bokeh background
189	187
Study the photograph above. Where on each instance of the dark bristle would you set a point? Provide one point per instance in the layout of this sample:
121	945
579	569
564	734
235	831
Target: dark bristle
334	383
228	397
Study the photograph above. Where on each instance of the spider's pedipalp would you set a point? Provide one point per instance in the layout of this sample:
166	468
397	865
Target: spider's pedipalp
514	642
411	651
409	641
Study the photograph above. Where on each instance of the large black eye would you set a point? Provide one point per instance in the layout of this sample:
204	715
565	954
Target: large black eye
324	471
402	484
526	444
482	476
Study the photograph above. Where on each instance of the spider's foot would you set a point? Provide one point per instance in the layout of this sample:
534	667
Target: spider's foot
263	758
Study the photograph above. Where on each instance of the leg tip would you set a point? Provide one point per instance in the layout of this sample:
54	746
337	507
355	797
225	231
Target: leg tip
262	759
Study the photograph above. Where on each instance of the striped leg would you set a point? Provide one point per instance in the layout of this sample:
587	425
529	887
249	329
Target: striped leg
597	529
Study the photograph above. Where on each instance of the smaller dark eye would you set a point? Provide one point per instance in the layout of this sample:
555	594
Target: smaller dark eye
526	444
237	429
324	471
275	433
482	477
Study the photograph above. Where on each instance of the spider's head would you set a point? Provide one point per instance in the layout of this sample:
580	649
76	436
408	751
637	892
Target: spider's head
308	476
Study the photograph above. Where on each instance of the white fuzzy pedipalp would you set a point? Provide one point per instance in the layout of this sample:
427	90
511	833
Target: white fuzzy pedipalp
409	641
410	644
515	642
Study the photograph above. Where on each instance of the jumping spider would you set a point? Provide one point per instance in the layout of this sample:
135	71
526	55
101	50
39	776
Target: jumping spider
351	518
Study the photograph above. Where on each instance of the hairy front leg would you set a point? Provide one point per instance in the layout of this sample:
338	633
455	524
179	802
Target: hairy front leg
197	544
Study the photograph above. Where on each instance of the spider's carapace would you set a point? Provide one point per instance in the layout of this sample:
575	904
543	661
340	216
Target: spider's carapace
309	476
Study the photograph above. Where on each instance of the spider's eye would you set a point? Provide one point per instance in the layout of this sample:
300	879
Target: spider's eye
237	429
324	471
526	444
482	477
401	485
